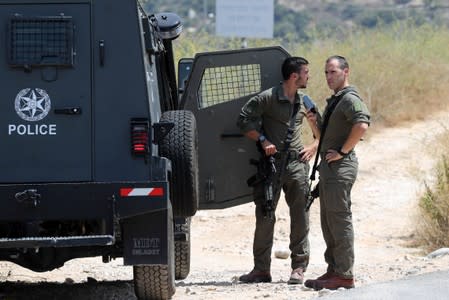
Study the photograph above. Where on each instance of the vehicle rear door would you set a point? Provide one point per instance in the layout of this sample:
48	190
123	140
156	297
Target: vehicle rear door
45	120
218	86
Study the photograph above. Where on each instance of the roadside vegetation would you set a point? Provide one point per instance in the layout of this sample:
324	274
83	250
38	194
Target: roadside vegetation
433	215
401	71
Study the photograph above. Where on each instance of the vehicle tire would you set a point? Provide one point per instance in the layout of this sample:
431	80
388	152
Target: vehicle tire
180	145
182	252
157	281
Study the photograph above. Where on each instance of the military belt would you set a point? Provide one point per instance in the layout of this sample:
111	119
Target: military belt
291	155
350	154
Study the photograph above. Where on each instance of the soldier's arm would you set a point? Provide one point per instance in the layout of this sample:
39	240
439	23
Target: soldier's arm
358	114
267	146
357	132
312	119
310	150
250	121
250	117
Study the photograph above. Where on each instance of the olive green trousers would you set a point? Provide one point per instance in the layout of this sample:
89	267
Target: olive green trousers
294	183
336	181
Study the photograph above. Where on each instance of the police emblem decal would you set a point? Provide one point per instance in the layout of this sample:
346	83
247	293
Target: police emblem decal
32	104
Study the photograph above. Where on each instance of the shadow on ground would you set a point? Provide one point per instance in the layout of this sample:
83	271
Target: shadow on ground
66	291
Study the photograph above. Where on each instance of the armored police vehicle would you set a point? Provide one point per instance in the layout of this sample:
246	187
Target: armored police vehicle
103	154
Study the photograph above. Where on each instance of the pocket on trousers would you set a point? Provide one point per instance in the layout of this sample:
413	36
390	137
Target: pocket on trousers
337	196
340	170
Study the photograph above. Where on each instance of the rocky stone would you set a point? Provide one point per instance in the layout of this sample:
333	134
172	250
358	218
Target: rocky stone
438	253
282	253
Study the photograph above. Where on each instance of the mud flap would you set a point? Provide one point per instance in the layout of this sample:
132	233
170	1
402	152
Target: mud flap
147	238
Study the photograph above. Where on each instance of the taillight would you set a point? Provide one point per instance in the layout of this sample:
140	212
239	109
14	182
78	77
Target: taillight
140	137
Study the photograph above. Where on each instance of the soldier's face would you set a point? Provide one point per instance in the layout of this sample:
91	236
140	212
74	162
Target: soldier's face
303	77
336	78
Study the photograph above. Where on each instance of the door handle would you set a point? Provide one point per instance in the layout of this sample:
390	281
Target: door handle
68	111
231	135
102	52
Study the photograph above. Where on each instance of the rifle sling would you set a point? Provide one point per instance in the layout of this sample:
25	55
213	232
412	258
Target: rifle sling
326	118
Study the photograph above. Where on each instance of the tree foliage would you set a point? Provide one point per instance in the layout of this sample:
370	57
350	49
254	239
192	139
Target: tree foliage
293	24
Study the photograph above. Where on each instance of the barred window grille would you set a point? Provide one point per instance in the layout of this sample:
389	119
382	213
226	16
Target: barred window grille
41	41
223	84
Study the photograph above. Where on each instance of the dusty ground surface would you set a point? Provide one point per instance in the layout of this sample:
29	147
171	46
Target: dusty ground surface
393	165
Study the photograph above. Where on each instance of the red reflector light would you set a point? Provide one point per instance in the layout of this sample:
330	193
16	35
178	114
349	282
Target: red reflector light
139	137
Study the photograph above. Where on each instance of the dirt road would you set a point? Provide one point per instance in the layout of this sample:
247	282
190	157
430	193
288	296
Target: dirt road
393	164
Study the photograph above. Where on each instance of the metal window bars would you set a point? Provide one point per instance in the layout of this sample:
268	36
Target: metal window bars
41	41
223	84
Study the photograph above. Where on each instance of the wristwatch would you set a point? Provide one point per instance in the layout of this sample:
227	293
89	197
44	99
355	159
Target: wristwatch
342	153
262	138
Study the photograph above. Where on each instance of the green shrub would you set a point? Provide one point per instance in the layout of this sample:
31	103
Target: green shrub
433	222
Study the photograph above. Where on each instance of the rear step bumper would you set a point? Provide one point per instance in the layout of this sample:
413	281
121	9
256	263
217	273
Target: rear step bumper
37	242
81	201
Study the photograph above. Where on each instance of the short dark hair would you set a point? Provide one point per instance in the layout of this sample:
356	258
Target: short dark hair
343	63
292	65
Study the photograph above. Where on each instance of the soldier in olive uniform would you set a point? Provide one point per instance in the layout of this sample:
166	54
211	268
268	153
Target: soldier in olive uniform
338	171
265	118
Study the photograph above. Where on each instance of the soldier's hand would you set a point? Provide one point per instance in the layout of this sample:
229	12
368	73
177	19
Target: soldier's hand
311	116
307	153
332	155
269	148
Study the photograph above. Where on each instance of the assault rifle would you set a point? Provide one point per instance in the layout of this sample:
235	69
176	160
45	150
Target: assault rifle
269	176
266	174
266	169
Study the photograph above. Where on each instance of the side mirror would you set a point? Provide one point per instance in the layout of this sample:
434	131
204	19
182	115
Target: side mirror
184	69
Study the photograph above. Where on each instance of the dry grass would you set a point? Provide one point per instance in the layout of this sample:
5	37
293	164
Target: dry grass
401	72
433	216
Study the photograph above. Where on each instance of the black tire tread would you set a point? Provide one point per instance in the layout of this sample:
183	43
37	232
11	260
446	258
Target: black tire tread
182	260
182	253
153	282
180	145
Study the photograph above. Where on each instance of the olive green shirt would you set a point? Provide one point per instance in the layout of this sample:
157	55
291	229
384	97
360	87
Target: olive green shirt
349	111
270	112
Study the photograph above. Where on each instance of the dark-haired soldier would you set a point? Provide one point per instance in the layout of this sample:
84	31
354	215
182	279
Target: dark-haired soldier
348	121
266	118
